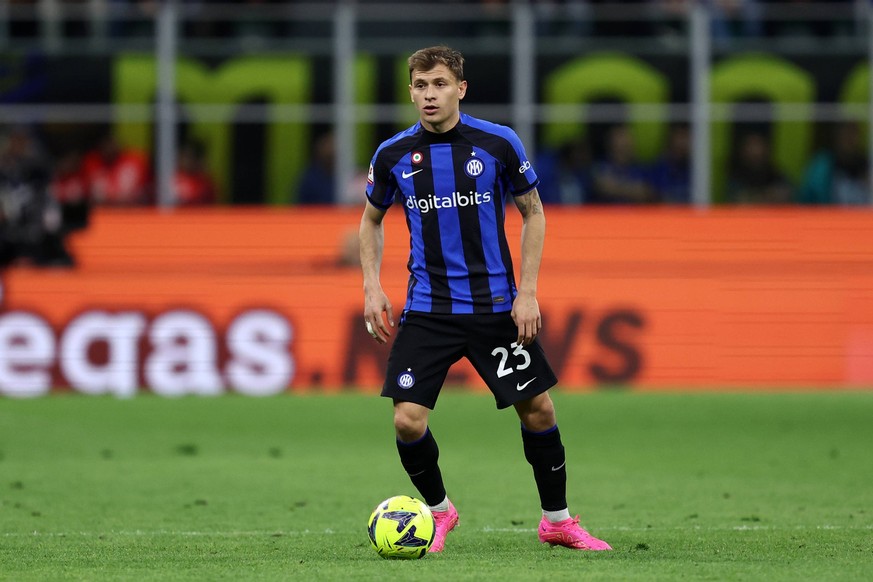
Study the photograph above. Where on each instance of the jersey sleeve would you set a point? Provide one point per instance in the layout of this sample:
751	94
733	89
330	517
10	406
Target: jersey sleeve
381	185
519	171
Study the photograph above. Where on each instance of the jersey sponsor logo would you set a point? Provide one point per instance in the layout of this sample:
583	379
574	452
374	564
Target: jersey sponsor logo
406	380
406	174
474	167
456	200
525	166
370	175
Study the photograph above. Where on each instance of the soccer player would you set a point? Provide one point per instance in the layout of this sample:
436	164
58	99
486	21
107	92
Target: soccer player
453	173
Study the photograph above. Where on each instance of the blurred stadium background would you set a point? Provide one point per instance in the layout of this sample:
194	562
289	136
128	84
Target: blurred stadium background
181	184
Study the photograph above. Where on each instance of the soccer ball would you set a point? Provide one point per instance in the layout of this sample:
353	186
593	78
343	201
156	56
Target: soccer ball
401	527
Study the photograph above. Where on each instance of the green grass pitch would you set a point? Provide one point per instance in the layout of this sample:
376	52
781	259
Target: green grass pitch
684	486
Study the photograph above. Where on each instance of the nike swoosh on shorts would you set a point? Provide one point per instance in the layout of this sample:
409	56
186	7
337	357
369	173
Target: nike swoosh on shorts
521	387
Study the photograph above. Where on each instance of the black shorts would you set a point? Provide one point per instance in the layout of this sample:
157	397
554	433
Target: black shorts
428	344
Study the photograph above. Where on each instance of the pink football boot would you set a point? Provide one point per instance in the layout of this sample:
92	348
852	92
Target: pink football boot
445	521
570	534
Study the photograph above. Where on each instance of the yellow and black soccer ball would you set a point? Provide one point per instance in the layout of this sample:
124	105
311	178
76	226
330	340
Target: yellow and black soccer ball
401	527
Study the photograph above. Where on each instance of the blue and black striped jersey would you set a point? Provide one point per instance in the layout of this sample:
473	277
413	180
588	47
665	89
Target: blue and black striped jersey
454	187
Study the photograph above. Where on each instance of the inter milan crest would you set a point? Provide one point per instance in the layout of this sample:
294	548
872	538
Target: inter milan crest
406	380
474	167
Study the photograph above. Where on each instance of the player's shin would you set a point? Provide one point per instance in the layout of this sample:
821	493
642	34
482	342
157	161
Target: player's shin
420	460
545	453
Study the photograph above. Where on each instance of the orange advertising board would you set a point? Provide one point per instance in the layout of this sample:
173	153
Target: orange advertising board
260	300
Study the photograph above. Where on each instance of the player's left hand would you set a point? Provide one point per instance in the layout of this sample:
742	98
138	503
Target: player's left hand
376	304
526	315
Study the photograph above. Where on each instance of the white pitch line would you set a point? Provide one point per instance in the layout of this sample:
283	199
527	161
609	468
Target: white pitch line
487	529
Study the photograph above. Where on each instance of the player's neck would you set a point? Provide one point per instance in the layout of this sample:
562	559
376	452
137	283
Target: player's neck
443	127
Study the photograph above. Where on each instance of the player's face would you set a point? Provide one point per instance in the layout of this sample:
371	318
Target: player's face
437	95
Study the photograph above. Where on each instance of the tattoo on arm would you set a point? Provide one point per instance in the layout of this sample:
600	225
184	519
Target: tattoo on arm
530	203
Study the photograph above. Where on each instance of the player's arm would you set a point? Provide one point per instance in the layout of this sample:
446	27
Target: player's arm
376	302
525	309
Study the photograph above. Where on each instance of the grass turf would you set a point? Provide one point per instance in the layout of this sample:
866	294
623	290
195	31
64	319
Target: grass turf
691	486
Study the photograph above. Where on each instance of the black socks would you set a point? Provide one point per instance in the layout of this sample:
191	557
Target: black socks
419	459
545	453
543	450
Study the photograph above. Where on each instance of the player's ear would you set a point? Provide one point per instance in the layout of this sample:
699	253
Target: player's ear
462	89
411	98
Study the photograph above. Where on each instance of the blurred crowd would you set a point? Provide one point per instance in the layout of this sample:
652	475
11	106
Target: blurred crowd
837	174
44	198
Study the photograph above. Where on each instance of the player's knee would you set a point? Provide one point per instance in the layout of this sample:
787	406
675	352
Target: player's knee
538	413
409	428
